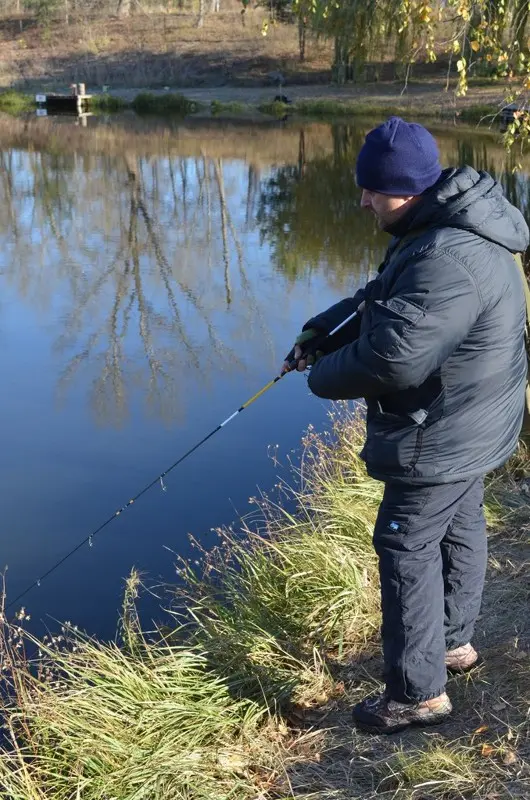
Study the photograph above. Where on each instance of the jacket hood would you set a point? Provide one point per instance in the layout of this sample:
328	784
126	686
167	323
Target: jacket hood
472	201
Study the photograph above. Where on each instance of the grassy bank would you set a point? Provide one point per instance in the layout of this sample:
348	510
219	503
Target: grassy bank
146	103
247	694
175	104
107	103
12	102
332	109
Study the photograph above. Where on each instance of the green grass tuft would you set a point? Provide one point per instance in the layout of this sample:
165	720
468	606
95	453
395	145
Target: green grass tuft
13	102
275	109
107	102
441	770
228	108
163	104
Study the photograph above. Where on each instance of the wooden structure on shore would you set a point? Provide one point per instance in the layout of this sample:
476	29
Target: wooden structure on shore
77	101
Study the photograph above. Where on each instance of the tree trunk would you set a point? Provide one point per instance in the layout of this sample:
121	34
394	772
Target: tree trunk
124	8
202	10
215	6
340	62
301	37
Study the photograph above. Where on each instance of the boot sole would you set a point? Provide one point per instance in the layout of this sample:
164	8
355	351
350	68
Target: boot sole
423	723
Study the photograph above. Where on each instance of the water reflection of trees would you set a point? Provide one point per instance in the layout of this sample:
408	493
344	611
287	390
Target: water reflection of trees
310	212
146	251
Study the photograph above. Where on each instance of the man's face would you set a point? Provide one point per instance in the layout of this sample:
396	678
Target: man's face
386	209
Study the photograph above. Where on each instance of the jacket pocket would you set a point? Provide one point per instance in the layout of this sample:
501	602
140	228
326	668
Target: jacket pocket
394	442
386	322
398	308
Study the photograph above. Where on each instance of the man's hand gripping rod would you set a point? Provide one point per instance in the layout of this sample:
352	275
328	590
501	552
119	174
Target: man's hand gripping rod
314	343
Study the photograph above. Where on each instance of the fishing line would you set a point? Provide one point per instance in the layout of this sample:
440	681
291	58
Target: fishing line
160	478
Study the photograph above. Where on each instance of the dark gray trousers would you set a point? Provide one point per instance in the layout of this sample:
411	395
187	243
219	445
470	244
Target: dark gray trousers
431	543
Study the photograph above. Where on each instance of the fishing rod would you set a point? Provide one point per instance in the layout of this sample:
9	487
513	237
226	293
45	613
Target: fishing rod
292	363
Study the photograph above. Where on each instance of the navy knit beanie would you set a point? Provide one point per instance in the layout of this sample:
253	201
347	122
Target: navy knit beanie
398	158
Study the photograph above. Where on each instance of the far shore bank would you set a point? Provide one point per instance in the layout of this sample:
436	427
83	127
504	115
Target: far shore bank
428	100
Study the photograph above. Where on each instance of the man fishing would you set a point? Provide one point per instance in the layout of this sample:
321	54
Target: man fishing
437	351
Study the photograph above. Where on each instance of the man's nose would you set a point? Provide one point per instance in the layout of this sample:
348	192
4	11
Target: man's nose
365	199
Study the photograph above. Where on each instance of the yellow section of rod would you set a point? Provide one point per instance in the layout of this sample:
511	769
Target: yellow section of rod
261	391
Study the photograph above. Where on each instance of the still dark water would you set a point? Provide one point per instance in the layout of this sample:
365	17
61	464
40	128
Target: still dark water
152	279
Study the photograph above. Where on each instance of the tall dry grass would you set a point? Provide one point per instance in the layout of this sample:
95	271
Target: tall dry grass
272	601
91	720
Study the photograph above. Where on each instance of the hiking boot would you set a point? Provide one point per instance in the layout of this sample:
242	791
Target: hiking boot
380	714
462	659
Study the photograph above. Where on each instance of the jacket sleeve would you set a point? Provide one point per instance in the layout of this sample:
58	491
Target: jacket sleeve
328	320
431	308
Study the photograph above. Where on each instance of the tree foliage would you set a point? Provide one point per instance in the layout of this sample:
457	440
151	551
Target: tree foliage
477	37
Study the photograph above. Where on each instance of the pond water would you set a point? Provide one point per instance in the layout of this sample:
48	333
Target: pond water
152	277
